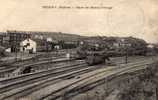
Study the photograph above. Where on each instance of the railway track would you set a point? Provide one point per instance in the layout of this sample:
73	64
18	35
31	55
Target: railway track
11	68
27	89
18	90
19	61
92	83
36	57
4	71
54	69
88	81
80	69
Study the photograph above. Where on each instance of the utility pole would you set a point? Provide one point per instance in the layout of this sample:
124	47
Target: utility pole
126	55
16	48
126	45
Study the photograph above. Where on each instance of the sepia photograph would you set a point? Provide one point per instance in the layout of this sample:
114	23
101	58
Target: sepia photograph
78	50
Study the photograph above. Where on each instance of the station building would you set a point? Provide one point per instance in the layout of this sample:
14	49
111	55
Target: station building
28	46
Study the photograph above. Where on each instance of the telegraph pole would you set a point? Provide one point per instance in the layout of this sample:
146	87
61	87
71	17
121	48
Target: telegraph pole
16	48
126	55
126	45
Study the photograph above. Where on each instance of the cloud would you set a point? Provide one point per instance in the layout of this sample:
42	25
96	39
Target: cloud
126	20
150	8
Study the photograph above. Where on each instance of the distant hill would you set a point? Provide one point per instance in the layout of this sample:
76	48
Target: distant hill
57	36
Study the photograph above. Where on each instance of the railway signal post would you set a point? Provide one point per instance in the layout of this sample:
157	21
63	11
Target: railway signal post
126	45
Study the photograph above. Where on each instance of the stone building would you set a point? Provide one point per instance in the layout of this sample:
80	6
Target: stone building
28	45
4	39
15	37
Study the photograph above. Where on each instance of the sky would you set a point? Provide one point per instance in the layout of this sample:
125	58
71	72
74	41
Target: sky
137	18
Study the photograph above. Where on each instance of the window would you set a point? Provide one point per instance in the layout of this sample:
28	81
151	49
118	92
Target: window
28	44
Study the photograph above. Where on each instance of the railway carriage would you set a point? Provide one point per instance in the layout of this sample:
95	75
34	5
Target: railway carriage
94	58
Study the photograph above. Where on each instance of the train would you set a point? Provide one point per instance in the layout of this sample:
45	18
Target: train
92	55
99	52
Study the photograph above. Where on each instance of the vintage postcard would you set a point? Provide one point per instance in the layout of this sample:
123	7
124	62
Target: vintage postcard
78	50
